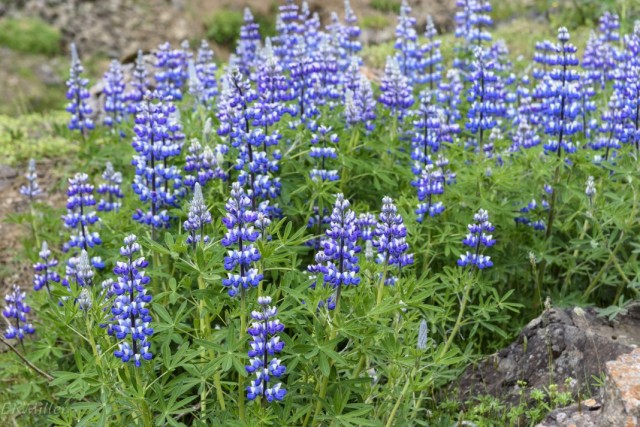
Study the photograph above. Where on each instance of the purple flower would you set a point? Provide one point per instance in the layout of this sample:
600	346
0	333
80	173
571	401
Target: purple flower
81	214
131	317
110	190
114	98
477	238
17	309
32	189
45	270
197	218
241	234
265	344
77	94
390	239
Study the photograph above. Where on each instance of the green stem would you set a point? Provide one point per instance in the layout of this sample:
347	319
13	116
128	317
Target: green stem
204	335
147	418
456	327
243	327
382	280
403	393
605	267
34	227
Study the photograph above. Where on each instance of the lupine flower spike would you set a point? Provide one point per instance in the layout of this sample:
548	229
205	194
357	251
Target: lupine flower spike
265	345
32	189
477	238
45	270
240	231
17	309
80	214
198	217
337	261
390	240
77	95
110	190
131	320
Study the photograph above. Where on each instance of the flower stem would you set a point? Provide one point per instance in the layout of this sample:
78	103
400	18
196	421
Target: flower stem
456	327
243	327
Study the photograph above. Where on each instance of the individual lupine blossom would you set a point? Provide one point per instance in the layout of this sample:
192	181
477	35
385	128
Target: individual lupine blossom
429	184
81	214
561	98
366	223
197	218
45	273
390	240
265	345
77	95
15	311
408	52
449	96
532	215
248	44
172	71
337	259
288	37
612	127
396	93
204	164
242	254
206	70
32	189
131	318
323	148
158	138
84	270
114	99
110	190
262	224
486	96
139	85
591	189
360	105
431	64
477	238
349	37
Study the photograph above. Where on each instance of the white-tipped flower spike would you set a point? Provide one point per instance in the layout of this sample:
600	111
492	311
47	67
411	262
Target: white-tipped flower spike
84	270
32	189
206	131
423	333
368	250
591	189
84	300
198	217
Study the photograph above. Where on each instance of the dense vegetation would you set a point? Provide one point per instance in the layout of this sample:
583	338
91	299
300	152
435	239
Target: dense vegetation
281	241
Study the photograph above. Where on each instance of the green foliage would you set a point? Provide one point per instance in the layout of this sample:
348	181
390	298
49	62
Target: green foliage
375	22
34	135
29	35
386	5
223	26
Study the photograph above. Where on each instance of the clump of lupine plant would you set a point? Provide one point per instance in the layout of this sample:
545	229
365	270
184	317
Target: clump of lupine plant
15	311
206	69
77	95
81	216
131	316
110	190
171	70
379	358
265	345
32	189
409	55
114	98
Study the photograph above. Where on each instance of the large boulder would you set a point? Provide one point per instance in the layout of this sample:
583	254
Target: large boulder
560	344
